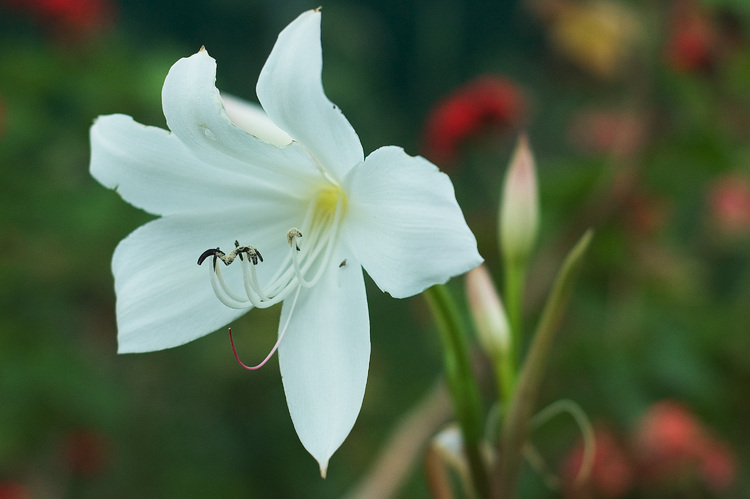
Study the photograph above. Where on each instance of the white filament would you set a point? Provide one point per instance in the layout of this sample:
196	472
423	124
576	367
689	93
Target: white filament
302	267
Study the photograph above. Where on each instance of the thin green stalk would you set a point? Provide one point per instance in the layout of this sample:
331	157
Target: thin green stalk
505	377
514	273
516	423
461	380
506	371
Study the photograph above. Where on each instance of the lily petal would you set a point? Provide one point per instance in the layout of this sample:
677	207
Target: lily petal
290	90
324	358
195	113
251	118
404	224
164	298
153	170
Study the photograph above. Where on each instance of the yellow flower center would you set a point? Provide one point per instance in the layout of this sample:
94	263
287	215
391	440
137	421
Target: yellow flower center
328	200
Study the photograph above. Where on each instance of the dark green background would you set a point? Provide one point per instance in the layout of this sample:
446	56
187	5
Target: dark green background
189	422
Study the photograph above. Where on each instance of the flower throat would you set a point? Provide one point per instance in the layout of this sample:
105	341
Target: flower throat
303	266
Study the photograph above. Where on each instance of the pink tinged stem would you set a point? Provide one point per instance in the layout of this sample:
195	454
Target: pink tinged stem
278	341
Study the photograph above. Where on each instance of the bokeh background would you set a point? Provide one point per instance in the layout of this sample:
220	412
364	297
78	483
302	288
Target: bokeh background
638	113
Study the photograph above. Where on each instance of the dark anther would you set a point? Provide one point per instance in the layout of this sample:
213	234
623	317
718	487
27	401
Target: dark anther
210	252
237	250
291	237
252	254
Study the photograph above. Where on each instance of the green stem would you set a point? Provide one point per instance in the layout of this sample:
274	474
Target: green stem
514	278
461	380
516	423
506	370
505	377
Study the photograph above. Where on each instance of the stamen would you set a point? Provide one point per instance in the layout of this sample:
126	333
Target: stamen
253	287
278	341
218	254
328	246
222	291
252	252
291	236
210	252
302	267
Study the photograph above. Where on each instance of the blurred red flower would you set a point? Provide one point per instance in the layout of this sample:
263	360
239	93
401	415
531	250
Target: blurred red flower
673	447
717	466
612	474
606	131
68	17
729	203
14	490
487	102
692	39
646	214
86	452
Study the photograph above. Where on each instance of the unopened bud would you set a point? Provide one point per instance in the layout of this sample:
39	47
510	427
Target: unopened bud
519	207
447	452
493	329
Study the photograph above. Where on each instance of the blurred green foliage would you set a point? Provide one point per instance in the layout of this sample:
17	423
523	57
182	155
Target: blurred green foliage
661	312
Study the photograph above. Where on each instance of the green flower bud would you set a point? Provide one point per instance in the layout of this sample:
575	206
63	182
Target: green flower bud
488	313
519	207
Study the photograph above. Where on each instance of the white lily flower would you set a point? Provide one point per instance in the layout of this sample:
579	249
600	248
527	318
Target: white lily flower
300	191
